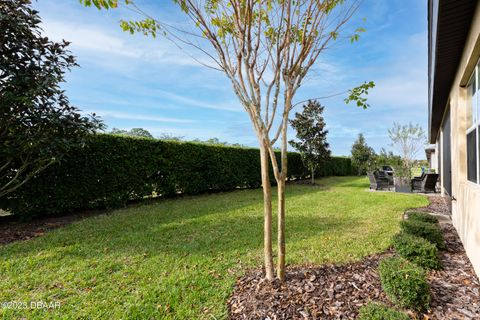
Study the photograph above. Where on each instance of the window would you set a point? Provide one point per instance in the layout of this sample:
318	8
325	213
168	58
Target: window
473	127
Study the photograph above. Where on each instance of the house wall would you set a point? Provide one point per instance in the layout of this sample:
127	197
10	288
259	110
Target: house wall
433	161
465	194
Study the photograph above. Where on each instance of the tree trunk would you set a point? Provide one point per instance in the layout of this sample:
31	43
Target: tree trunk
312	175
281	197
281	229
267	211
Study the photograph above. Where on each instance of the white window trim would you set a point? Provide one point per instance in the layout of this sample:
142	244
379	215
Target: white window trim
475	120
477	124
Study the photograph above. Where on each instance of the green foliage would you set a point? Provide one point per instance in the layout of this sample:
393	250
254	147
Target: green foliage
363	156
428	231
110	170
422	216
312	135
385	158
417	250
377	311
358	94
38	124
404	283
134	132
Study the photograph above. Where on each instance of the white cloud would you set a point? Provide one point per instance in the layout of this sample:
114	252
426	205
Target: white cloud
132	116
89	38
108	44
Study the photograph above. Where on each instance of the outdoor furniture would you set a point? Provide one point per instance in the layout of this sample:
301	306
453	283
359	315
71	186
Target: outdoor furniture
427	182
378	181
387	174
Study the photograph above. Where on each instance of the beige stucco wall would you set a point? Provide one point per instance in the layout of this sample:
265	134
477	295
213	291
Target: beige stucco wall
466	207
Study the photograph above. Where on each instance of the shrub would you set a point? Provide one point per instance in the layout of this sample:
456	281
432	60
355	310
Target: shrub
377	311
422	216
417	250
428	231
404	283
110	170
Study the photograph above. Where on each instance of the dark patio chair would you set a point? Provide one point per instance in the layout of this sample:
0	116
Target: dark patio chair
384	174
427	182
377	182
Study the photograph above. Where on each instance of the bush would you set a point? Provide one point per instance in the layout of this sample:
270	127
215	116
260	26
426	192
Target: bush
422	216
404	283
417	250
377	311
428	231
110	170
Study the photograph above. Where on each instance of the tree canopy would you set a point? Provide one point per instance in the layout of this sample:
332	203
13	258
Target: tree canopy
363	156
311	136
134	132
38	124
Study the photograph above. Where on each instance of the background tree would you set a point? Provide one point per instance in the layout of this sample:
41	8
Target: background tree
134	132
363	156
37	123
312	136
409	140
265	48
385	158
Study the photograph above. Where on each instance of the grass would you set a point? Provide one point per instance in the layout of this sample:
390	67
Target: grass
178	259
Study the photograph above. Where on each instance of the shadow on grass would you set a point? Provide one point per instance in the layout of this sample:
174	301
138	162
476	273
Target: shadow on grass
199	225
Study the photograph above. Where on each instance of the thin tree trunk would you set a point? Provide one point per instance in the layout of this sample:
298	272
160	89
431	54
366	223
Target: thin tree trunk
267	208
281	230
312	170
281	198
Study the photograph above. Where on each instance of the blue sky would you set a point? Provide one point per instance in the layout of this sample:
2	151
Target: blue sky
135	81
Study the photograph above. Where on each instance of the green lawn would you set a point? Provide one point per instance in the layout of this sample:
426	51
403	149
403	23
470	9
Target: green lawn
178	259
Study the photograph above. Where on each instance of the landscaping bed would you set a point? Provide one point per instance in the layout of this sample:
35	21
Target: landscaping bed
14	229
339	291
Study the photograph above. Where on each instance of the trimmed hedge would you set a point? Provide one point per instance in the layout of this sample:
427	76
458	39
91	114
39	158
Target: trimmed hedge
417	250
404	283
110	170
426	230
377	311
422	216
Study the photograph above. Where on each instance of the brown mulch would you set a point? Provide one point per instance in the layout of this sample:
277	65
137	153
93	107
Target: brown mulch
338	292
456	288
322	292
438	205
12	229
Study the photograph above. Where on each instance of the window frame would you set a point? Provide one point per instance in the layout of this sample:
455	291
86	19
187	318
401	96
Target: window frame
475	107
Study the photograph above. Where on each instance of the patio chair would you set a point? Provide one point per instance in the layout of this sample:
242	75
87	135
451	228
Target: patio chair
384	174
377	182
427	182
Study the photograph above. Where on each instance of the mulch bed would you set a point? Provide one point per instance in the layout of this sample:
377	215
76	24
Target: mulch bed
438	205
338	292
12	229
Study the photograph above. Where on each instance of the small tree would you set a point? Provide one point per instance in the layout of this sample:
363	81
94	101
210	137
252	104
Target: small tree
37	123
363	156
265	49
409	140
312	136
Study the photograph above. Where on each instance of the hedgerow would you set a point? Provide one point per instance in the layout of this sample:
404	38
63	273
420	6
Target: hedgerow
110	170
